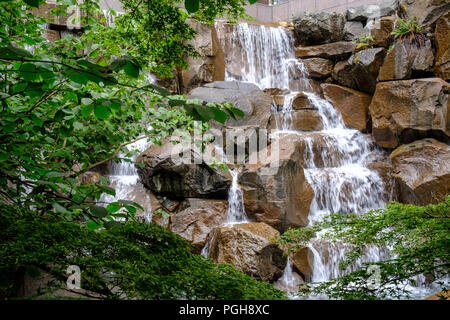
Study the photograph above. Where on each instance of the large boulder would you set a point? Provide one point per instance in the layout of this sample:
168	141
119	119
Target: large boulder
426	11
303	260
318	28
249	247
333	51
275	189
353	105
318	67
210	66
442	36
360	71
196	221
353	30
246	96
405	58
170	171
373	11
423	171
407	110
381	31
302	119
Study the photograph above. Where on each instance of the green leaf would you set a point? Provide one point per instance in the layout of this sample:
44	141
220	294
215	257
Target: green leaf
34	3
113	207
131	69
86	101
77	77
192	5
86	110
238	112
60	208
97	211
102	112
14	53
219	115
54	174
252	1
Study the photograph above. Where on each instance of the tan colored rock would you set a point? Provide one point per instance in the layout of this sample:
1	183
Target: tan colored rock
318	67
301	101
442	36
303	119
382	33
386	171
210	66
248	247
426	11
353	105
407	110
196	222
404	58
275	189
422	169
303	260
336	50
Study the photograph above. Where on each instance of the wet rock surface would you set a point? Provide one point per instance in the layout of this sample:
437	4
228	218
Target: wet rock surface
248	247
422	169
407	110
316	28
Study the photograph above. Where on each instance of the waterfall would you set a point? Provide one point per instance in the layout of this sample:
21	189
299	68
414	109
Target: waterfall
235	210
125	180
335	158
261	55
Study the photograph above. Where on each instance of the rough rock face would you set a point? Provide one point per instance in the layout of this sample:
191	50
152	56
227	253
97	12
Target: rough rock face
246	96
407	110
301	101
382	31
423	171
303	119
196	221
248	247
366	12
336	50
303	260
167	172
317	28
442	36
353	30
426	11
208	68
353	105
360	71
275	189
404	59
318	67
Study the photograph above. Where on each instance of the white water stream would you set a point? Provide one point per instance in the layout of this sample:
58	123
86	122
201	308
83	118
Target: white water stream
335	158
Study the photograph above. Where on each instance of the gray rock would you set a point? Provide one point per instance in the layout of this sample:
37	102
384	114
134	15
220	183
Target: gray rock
319	28
361	70
426	11
246	96
166	172
353	30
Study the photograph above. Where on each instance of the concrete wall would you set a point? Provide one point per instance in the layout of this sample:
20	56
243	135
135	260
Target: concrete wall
286	10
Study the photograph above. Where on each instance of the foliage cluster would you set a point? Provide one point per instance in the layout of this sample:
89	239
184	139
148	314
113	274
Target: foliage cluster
417	237
127	261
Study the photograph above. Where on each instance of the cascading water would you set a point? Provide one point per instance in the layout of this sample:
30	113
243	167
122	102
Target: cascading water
125	180
261	55
335	158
